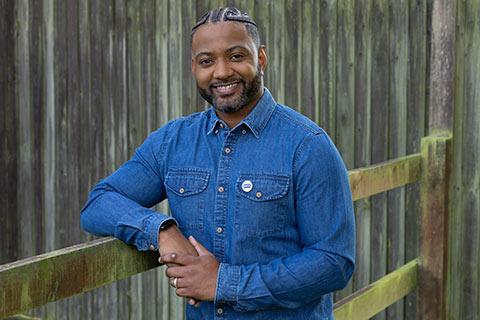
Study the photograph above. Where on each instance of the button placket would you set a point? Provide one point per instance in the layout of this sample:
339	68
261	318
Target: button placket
221	199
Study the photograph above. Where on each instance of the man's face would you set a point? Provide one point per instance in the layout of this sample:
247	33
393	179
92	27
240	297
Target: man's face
227	66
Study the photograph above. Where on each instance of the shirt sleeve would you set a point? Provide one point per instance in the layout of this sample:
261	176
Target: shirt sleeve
325	218
119	205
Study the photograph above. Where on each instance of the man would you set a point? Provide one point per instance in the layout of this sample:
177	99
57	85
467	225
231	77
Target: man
259	190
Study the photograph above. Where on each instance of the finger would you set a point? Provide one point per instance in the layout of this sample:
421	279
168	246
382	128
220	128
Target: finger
182	292
193	302
177	258
201	250
177	272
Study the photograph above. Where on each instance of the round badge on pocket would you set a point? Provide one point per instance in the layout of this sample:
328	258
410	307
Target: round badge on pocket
247	186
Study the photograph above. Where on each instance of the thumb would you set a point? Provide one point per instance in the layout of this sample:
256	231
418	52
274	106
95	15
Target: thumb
201	250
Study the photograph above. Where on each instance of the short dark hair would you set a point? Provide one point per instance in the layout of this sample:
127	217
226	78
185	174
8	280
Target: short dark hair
229	14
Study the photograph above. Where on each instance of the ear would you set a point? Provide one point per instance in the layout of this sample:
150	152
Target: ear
193	66
262	57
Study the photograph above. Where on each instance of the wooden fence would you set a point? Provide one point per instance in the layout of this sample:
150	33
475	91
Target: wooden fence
56	275
83	82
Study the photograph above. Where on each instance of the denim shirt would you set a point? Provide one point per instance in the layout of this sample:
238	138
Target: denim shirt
269	198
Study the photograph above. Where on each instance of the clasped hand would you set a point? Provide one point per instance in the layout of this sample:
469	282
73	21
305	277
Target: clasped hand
194	277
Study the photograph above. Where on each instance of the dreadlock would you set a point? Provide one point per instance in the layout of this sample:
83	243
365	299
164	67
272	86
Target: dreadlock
229	14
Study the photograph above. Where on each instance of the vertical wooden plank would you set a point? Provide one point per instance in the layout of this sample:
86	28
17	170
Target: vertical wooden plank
379	125
442	68
328	34
464	275
416	100
8	135
363	62
49	136
149	279
85	145
292	41
136	120
62	213
307	63
275	76
398	30
456	280
25	138
163	295
345	91
436	155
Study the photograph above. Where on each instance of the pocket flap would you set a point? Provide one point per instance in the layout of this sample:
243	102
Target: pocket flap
263	187
187	182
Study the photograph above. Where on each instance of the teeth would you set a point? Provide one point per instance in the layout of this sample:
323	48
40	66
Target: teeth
228	86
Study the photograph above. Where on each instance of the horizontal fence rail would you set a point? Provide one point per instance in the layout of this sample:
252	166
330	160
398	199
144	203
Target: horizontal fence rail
36	281
368	181
52	276
377	296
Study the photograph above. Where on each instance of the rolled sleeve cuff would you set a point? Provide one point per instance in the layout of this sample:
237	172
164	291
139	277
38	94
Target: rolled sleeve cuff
227	284
152	228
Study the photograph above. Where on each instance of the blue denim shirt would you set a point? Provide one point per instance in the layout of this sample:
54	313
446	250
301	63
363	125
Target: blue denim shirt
269	198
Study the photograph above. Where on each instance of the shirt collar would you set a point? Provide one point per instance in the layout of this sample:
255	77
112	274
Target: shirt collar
256	120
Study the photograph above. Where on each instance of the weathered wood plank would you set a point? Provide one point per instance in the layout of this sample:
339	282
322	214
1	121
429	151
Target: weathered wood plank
384	176
362	137
345	92
416	106
436	155
398	68
8	135
62	273
376	297
379	125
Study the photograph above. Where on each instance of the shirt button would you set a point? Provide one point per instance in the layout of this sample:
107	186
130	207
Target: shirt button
258	194
181	190
219	230
228	150
152	247
244	131
221	189
220	311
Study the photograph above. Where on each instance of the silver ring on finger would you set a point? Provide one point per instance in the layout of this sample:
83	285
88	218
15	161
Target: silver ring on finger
173	282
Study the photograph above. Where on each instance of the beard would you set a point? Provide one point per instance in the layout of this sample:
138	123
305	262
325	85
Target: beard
247	95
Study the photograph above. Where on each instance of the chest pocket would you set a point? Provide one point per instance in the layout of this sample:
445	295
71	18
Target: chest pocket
187	196
261	203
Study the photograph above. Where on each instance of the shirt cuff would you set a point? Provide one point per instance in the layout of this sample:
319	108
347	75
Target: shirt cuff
227	284
152	230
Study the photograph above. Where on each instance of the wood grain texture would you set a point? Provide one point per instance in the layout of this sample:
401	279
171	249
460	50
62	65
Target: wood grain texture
58	274
436	155
66	272
374	298
100	75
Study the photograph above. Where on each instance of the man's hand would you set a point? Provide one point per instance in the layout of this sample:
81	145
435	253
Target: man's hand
172	240
196	277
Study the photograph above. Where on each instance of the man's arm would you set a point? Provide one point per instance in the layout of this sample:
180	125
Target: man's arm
326	224
119	205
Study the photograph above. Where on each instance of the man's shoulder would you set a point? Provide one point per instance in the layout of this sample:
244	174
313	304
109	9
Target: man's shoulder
296	120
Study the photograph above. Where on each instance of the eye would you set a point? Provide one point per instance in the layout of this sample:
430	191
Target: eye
205	62
237	57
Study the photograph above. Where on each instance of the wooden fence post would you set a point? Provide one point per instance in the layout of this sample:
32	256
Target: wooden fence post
436	154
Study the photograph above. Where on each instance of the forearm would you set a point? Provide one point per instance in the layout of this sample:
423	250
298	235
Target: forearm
289	282
109	212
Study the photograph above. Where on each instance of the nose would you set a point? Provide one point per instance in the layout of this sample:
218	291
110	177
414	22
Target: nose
222	70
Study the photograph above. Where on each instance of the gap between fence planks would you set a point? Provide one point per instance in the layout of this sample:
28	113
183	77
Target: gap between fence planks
35	281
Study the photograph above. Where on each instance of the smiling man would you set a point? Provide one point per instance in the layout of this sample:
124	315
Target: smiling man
259	190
